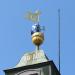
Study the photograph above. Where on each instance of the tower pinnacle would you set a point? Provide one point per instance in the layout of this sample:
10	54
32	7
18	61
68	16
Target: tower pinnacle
36	32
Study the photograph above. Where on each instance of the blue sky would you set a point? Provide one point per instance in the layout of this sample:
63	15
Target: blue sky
15	38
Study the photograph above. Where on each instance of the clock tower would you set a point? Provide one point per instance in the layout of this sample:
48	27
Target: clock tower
36	62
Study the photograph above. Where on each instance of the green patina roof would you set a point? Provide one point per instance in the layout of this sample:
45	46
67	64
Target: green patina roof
32	58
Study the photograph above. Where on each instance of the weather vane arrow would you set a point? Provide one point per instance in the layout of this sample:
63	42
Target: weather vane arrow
34	17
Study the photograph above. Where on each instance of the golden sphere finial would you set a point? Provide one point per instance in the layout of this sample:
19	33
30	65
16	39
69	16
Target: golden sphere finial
38	38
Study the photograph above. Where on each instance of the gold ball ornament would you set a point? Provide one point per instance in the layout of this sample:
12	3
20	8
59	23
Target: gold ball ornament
37	38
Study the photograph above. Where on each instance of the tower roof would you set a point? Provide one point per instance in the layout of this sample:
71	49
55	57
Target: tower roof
30	58
54	69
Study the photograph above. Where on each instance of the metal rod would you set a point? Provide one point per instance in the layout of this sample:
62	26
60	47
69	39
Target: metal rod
37	47
59	38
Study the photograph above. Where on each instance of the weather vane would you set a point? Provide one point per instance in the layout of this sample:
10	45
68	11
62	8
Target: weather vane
34	17
37	35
